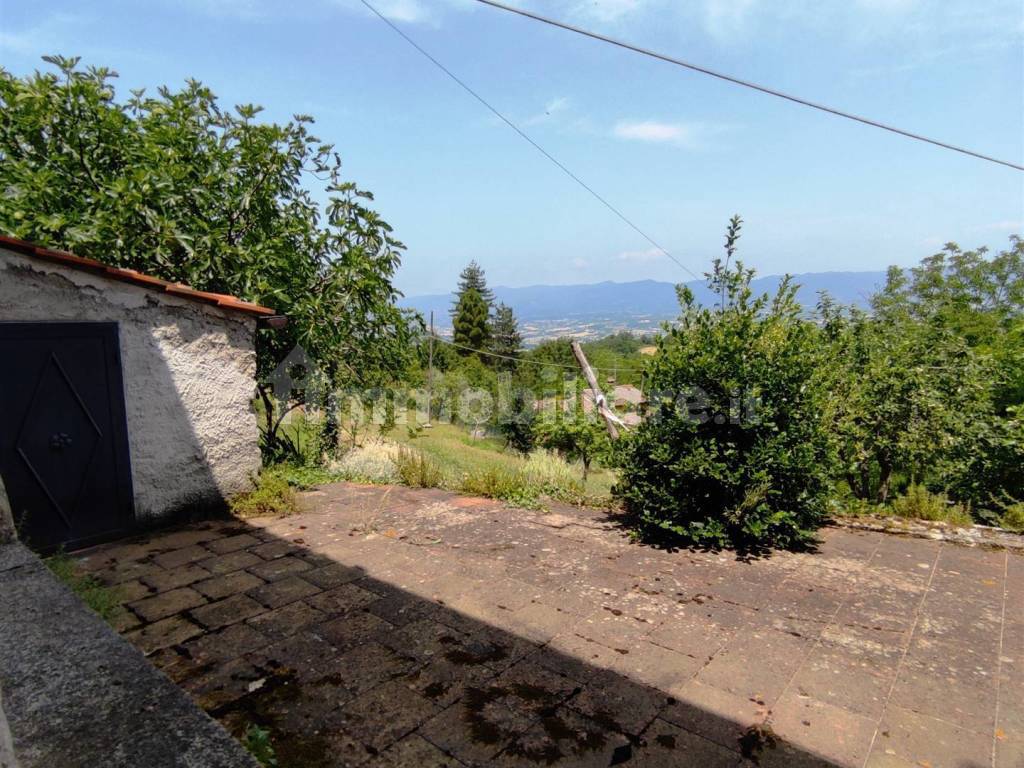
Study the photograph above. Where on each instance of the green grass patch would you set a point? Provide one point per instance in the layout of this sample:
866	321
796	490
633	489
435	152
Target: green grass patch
104	600
483	467
1012	517
417	469
272	496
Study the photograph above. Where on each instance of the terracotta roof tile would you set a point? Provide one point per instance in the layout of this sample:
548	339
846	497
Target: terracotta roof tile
131	276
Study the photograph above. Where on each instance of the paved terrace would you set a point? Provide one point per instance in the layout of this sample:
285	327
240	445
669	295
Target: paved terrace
397	627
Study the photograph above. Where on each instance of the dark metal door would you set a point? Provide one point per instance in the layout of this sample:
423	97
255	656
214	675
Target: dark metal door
63	433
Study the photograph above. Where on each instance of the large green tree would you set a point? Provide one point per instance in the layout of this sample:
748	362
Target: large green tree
176	185
928	386
472	278
471	324
506	340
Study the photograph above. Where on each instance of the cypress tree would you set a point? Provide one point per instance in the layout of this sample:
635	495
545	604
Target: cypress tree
471	323
505	337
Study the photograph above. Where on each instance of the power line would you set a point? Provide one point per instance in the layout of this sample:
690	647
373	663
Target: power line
745	83
533	143
521	360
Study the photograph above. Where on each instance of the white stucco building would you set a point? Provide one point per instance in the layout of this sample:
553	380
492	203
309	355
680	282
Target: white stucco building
124	400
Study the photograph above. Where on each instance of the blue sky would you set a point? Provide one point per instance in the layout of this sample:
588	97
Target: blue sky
677	152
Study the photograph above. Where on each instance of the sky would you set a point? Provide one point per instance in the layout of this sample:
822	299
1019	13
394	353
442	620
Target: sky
677	152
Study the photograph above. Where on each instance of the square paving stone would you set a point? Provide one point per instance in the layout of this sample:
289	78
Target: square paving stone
921	740
531	689
305	655
163	634
855	681
342	600
167	604
699	640
475	728
399	609
284	591
229	643
566	738
354	629
229	584
667	746
946	697
415	752
181	576
618	703
272	570
233	561
183	556
275	549
655	666
285	621
185	537
232	543
837	735
423	639
223	684
385	714
228	611
715	714
369	665
444	683
333	575
130	591
757	664
1009	754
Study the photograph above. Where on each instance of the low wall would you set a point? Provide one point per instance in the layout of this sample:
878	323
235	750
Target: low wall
77	695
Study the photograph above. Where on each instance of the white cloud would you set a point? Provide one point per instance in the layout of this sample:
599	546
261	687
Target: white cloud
580	263
690	135
653	131
651	254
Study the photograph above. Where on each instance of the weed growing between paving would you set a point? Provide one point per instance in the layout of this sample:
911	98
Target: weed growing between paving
273	495
103	600
257	741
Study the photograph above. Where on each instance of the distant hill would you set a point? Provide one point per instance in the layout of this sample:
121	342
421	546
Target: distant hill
643	301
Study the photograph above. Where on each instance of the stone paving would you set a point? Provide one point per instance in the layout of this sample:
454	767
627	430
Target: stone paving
398	627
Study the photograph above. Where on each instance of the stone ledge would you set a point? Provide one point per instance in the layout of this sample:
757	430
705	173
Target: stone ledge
77	694
972	536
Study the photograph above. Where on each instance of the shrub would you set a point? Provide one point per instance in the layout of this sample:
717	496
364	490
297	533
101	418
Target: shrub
273	495
418	470
1012	517
734	450
918	503
578	437
517	426
102	599
505	484
374	462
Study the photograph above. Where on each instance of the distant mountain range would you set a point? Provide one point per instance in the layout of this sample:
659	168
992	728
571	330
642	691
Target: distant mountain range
640	304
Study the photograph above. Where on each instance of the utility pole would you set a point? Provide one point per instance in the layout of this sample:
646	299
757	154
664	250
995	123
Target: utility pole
430	370
610	419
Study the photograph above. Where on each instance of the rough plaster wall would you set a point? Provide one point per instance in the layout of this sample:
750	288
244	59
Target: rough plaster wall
189	376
